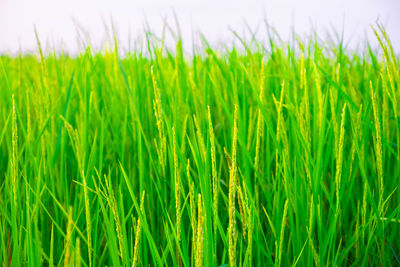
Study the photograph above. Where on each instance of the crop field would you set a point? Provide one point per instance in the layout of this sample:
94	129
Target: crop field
267	154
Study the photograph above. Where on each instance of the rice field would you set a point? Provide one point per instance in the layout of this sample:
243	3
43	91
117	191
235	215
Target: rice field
267	154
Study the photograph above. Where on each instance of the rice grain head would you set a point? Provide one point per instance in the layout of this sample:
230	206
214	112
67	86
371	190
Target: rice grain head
200	234
215	181
14	154
378	143
339	160
232	195
68	237
138	232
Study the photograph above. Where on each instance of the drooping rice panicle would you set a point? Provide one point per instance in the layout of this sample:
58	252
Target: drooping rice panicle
335	125
14	154
320	96
339	160
232	194
161	144
378	142
112	203
310	231
260	122
68	237
88	219
78	253
199	234
242	210
138	232
279	249
74	136
177	188
193	220
279	106
215	180
304	118
356	123
200	139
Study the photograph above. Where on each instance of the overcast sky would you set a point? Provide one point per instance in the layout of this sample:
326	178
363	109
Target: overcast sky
58	22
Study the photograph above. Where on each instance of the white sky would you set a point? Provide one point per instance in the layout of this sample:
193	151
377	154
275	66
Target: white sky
56	21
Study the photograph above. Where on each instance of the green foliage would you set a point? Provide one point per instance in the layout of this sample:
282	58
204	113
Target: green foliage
286	155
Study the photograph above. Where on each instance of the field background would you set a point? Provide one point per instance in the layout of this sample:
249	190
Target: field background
259	155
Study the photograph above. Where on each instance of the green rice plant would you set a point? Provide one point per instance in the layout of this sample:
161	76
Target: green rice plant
310	179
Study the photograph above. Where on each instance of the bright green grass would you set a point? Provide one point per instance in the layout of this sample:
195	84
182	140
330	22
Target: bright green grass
136	161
